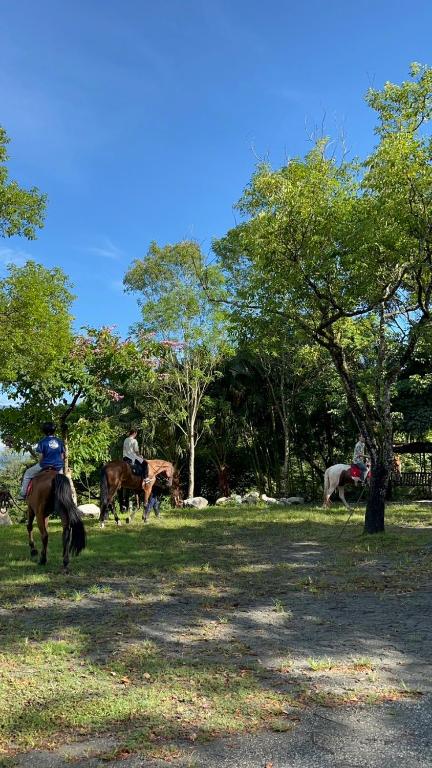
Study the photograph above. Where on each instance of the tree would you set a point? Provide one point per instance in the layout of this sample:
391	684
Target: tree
344	252
35	323
80	395
188	334
21	211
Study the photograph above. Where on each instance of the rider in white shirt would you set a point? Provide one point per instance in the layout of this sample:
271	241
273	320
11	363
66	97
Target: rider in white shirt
359	456
132	455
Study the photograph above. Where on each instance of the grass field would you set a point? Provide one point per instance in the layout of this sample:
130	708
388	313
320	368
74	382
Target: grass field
186	629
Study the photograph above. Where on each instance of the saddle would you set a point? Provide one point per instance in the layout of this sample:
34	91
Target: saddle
134	469
354	471
44	469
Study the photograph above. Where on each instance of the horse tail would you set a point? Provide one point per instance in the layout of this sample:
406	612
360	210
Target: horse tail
64	505
104	490
326	484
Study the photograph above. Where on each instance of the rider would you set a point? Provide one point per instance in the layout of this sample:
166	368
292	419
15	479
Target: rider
132	456
359	456
50	451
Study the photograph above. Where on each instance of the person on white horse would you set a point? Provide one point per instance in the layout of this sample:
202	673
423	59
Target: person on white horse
339	475
360	457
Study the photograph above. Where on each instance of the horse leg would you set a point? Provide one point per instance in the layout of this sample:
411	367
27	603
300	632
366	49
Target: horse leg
30	519
42	522
342	495
113	505
327	496
147	495
66	544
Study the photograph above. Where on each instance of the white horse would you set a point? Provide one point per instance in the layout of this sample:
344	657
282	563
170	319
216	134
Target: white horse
337	477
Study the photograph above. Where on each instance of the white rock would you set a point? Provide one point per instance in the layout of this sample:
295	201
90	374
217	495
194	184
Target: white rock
251	498
198	502
5	519
235	498
268	499
92	510
295	500
284	502
222	500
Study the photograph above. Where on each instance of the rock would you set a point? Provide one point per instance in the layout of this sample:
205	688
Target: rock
251	498
235	498
268	499
5	519
284	502
295	500
92	510
198	502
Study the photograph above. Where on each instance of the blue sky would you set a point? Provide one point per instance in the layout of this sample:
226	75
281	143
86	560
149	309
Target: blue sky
143	120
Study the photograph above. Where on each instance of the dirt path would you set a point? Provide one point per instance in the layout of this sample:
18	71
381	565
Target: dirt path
354	664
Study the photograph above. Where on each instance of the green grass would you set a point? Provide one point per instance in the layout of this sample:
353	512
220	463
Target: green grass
76	662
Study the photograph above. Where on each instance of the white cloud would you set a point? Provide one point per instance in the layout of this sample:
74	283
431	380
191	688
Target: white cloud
107	249
13	256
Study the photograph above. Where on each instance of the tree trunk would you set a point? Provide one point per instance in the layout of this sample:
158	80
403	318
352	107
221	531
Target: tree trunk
285	468
374	517
191	485
223	480
65	438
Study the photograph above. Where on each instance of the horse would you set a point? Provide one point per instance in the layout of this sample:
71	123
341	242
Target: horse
337	477
118	474
51	492
6	500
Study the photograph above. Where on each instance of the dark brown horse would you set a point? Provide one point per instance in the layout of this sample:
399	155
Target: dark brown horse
119	474
51	492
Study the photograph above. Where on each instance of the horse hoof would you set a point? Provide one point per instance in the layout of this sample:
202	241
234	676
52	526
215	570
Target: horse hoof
66	570
33	553
42	561
127	520
102	525
118	523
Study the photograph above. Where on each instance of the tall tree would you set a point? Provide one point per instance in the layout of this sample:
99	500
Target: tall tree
188	332
35	323
21	210
344	252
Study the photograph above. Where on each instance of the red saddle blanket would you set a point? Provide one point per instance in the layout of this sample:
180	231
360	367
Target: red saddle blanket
354	470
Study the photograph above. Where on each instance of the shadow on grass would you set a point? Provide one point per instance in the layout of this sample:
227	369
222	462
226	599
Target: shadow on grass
180	625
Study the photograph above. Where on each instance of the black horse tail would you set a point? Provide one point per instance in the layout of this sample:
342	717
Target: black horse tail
64	505
104	491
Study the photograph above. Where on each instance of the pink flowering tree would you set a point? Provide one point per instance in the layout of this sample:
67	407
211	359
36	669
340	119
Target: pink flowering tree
82	395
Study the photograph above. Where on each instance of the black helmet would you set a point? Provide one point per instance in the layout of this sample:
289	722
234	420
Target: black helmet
48	428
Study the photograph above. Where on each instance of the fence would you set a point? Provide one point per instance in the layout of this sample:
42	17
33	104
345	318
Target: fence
412	479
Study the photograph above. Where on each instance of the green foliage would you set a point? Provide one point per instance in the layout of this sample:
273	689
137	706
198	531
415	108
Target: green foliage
35	323
11	471
182	333
89	443
170	282
21	211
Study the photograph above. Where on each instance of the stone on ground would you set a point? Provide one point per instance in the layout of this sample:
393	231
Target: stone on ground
91	510
197	502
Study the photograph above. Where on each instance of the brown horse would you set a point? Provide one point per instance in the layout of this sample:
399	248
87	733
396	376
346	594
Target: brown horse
119	474
51	492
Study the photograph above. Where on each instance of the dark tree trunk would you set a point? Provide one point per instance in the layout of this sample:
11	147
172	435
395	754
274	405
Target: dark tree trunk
223	480
374	517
